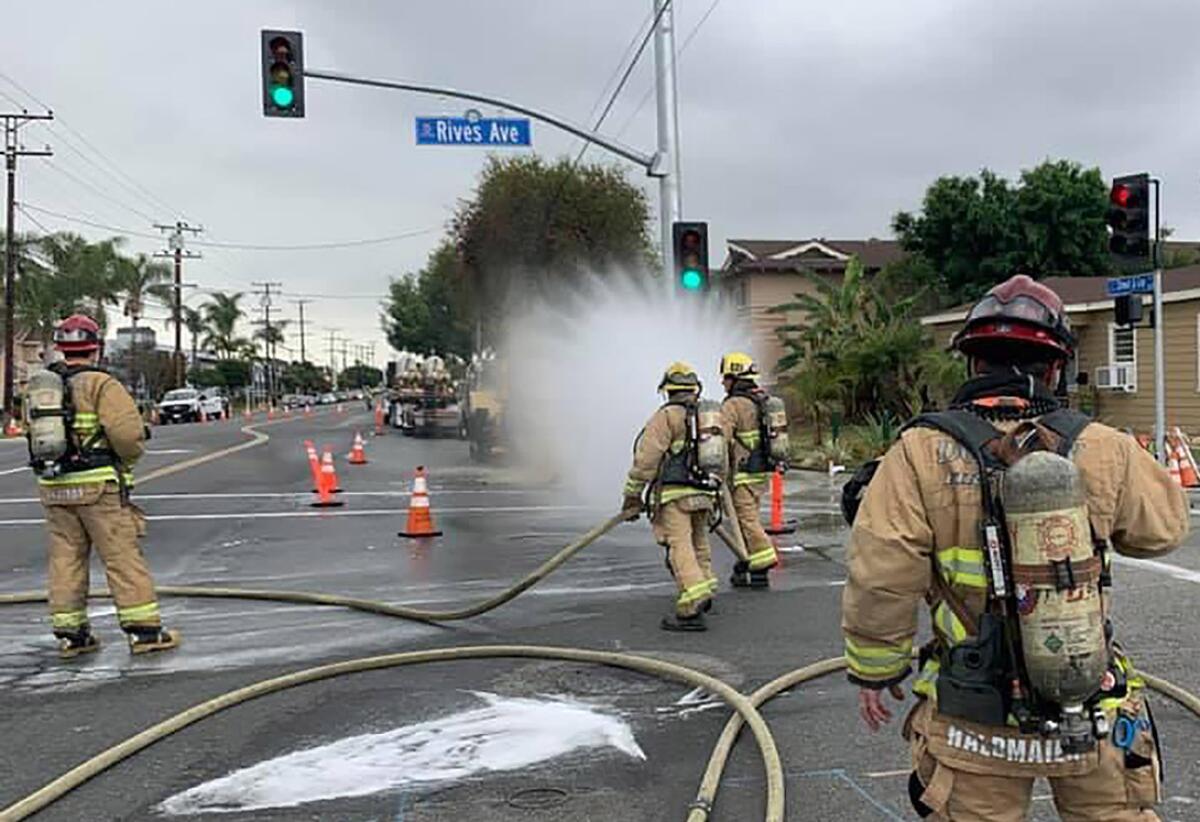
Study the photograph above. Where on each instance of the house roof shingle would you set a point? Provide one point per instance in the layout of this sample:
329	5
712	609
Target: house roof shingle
873	253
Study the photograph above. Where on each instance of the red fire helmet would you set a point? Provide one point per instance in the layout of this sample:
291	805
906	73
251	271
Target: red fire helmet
1019	313
77	334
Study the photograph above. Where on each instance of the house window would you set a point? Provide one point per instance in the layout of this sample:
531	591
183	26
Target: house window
1122	350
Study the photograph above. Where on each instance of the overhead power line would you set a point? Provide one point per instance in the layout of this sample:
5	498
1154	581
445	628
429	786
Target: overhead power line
625	77
633	41
157	201
687	41
99	192
239	246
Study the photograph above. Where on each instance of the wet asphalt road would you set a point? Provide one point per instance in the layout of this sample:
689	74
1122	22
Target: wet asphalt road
537	740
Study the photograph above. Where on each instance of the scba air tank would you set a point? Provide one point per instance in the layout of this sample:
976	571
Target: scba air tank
1056	574
777	429
45	417
711	453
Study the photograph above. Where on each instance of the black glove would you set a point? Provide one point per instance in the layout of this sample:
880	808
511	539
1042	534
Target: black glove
631	508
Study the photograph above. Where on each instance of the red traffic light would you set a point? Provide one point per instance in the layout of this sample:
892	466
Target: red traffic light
1121	195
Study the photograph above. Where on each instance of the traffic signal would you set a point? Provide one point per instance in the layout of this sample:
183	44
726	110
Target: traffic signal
283	73
1128	309
690	247
1129	216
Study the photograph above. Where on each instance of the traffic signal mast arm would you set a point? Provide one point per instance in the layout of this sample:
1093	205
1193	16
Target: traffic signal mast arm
647	161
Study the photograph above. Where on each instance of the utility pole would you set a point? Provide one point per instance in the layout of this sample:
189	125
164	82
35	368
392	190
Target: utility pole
177	252
1160	377
333	358
300	304
670	197
268	339
13	150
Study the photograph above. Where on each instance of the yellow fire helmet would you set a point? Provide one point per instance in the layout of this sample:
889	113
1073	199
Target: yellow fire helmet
679	376
740	366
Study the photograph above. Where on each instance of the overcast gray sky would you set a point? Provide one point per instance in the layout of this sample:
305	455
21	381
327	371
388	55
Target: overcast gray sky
799	118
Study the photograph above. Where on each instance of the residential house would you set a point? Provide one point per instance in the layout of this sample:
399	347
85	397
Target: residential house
1119	361
759	275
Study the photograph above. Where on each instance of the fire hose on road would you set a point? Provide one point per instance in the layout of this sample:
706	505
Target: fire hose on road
745	708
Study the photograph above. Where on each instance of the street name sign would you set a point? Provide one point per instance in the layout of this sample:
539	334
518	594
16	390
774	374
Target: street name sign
1137	284
474	131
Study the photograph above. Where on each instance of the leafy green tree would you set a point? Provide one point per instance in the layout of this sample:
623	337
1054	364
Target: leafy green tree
859	350
236	373
360	376
222	313
973	232
304	376
532	226
205	377
136	278
425	313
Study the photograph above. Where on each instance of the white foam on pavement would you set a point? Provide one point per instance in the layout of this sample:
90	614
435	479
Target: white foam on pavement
506	734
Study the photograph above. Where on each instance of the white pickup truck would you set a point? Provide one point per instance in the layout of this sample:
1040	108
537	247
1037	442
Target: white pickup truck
186	404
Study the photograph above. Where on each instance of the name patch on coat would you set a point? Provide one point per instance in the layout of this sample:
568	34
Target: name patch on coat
1021	750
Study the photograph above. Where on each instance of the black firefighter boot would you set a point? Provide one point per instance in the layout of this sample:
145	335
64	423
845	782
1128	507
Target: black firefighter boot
144	640
742	575
74	643
759	578
675	622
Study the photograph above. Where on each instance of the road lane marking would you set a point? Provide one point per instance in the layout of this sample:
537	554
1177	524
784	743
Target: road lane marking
18	469
296	495
324	513
1176	571
165	451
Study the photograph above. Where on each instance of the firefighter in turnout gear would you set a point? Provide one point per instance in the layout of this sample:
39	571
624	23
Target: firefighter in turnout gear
751	466
667	482
85	477
1002	514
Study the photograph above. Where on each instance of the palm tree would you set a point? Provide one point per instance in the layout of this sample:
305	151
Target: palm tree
221	314
137	278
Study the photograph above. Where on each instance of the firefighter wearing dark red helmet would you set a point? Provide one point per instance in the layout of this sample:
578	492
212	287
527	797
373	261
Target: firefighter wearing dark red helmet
1002	514
84	485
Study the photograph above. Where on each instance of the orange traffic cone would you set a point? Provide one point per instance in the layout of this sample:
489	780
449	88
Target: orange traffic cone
247	415
314	464
339	408
327	460
287	413
12	428
327	484
1173	467
420	515
308	410
270	412
203	416
1187	470
357	455
778	526
379	420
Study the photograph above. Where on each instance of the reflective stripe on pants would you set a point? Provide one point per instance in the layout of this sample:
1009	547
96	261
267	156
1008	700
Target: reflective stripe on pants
685	536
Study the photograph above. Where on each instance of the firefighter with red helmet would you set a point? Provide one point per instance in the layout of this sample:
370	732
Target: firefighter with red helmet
85	435
1002	514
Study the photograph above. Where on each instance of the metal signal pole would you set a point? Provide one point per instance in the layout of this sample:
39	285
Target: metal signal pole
670	197
1160	377
13	150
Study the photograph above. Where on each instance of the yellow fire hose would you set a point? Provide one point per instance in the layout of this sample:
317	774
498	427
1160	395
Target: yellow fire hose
370	606
655	667
746	708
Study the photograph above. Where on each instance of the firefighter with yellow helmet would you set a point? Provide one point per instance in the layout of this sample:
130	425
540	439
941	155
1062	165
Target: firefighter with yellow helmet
678	459
1002	514
753	459
85	434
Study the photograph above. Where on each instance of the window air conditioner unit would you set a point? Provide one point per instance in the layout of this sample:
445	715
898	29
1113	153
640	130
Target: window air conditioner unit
1116	378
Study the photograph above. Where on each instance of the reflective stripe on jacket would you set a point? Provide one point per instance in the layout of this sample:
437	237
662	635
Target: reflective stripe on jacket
744	435
103	406
665	433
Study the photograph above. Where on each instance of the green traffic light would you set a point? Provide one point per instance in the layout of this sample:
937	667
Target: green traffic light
283	97
691	279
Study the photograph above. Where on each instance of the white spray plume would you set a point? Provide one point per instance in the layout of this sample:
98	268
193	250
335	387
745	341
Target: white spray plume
584	367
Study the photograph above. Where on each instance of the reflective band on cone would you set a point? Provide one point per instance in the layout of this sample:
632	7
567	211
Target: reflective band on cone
358	456
327	484
420	514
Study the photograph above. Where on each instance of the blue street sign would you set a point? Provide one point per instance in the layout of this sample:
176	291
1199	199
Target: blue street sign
1137	284
473	131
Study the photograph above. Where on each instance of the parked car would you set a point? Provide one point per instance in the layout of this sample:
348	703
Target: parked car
214	403
328	399
180	405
